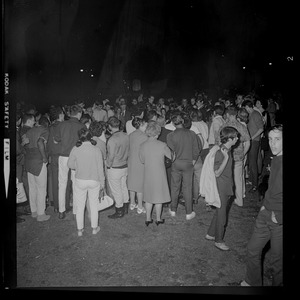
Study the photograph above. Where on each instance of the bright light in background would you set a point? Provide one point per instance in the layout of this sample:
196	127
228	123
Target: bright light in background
270	64
92	75
81	70
244	68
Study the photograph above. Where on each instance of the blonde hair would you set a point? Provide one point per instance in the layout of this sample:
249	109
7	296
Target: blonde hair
152	129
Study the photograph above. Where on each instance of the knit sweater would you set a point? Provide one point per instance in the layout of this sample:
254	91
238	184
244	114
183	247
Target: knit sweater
87	162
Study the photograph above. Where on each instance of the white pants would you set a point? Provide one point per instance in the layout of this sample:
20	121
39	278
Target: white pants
63	171
117	180
239	182
38	191
82	189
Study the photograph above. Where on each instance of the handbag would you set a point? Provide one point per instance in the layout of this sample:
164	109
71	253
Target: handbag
104	201
21	195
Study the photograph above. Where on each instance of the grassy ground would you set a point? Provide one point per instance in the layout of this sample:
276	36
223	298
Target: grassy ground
126	253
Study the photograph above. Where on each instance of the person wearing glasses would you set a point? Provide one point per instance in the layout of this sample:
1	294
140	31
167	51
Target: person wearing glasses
269	223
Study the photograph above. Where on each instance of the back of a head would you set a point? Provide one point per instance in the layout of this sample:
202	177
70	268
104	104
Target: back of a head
43	121
114	122
96	128
153	129
231	111
54	112
74	110
84	136
137	122
177	119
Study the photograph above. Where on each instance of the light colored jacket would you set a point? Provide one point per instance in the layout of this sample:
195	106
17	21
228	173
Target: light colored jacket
208	181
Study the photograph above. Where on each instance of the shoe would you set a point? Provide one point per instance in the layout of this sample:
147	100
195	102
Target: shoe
181	201
25	211
34	214
141	210
222	246
96	230
160	222
209	237
61	215
191	215
244	283
172	213
133	206
20	220
148	222
118	214
79	232
248	182
43	217
253	190
208	207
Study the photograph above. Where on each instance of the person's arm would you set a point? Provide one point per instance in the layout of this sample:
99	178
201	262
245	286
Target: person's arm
258	132
220	170
111	148
71	160
100	168
246	147
42	149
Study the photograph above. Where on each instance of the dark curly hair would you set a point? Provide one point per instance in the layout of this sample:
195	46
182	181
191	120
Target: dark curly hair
96	129
85	136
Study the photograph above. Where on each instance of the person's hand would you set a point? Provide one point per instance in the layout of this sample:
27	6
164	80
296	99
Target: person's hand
273	218
45	160
224	151
25	140
262	208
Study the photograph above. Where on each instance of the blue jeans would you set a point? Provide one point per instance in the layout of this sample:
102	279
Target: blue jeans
265	229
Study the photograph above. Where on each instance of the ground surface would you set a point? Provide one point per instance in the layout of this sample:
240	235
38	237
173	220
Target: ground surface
127	253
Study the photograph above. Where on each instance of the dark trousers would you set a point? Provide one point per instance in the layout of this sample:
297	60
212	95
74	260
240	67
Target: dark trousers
264	230
253	162
53	181
219	220
182	176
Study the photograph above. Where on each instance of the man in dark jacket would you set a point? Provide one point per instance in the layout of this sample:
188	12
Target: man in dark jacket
187	147
56	117
67	136
269	223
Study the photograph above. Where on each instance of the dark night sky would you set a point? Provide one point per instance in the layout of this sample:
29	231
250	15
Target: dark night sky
250	33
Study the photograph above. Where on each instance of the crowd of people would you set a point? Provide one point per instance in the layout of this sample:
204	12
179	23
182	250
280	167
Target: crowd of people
146	152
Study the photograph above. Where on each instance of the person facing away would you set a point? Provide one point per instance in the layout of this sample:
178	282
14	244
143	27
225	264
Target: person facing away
87	162
186	145
67	137
117	168
135	180
56	116
217	122
256	128
155	187
269	221
224	177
